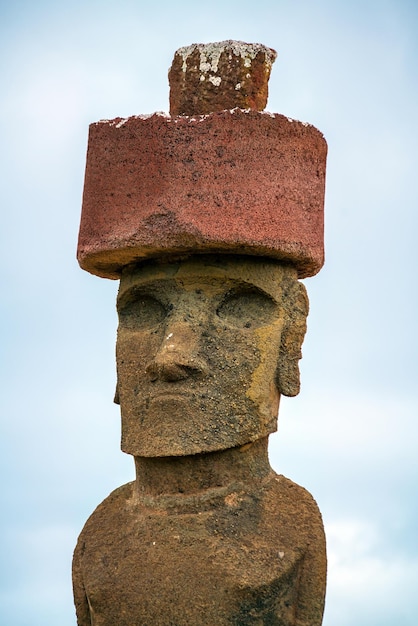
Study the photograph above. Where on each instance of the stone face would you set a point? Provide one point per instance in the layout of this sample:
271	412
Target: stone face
234	181
205	78
199	352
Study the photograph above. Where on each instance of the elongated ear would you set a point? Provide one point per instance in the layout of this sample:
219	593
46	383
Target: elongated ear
296	307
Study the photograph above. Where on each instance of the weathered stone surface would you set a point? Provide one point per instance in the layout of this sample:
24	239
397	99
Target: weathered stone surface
205	346
205	78
234	181
208	220
246	548
208	533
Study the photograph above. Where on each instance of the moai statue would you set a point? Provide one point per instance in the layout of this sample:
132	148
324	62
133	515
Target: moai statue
208	217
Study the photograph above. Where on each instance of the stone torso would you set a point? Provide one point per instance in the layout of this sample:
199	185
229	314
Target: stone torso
236	557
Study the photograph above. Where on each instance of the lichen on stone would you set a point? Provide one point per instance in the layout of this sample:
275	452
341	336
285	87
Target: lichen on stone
211	77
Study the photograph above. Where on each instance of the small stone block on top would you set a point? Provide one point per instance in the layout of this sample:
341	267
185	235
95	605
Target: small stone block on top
205	78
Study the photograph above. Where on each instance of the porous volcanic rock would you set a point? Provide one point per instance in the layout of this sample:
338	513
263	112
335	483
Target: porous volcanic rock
205	78
240	182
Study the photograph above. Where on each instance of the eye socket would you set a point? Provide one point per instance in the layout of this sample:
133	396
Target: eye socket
141	312
247	308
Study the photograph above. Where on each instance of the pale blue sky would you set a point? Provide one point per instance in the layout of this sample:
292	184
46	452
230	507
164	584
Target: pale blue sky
351	69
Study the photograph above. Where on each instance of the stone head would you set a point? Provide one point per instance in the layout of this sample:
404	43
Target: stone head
206	345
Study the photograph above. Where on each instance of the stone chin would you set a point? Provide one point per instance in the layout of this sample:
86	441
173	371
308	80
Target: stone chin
174	426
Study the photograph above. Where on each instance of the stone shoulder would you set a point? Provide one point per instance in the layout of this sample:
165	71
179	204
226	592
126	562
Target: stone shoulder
113	506
287	495
292	489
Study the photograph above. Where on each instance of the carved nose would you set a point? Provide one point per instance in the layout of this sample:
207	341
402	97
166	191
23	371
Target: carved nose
177	358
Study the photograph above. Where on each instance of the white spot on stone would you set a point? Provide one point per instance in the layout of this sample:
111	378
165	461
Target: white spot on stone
215	80
238	86
281	555
236	109
210	54
120	122
204	65
209	57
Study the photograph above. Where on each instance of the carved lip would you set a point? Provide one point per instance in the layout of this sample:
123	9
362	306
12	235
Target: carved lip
170	395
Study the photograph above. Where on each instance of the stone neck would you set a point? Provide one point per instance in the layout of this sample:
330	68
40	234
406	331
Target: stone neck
173	480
